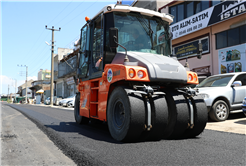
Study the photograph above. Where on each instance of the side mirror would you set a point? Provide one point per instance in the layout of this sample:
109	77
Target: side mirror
236	83
113	37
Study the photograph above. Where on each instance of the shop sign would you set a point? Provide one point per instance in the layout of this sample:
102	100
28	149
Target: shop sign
232	59
208	17
191	48
70	80
186	49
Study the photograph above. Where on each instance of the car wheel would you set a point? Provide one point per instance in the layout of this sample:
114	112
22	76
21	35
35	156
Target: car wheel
219	111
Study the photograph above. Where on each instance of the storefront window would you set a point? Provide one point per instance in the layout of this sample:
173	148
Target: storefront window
205	4
186	9
233	37
173	12
243	34
180	12
221	40
189	9
197	6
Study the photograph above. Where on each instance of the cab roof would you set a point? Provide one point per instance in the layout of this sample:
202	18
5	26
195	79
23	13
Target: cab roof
126	9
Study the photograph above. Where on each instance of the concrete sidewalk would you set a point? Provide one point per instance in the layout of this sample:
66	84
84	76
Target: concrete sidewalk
236	123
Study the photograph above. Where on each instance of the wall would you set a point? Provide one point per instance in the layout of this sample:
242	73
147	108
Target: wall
146	4
219	28
28	91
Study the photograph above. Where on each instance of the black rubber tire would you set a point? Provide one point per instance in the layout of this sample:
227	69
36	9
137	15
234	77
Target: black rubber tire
79	119
178	115
125	115
200	117
219	107
159	118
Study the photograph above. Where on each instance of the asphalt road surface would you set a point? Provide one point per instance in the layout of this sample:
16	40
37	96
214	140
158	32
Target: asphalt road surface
92	144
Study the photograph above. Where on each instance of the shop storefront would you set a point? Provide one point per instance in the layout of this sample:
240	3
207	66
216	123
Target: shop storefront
71	87
220	28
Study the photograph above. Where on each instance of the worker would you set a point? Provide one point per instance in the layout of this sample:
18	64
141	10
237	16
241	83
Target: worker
98	63
141	42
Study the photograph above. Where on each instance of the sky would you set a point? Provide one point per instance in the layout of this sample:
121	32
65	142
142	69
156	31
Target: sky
24	36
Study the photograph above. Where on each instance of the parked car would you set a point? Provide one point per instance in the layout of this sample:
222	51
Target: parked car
47	101
223	94
56	100
69	101
244	106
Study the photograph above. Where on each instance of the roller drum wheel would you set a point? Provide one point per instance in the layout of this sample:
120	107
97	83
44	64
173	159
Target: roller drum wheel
79	119
200	117
125	115
178	118
159	118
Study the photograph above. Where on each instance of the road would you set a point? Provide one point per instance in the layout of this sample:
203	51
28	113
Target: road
93	145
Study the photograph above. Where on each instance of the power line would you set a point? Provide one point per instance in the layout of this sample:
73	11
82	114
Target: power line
34	45
36	54
79	14
69	13
60	12
39	66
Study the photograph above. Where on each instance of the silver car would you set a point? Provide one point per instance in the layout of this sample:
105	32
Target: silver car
223	94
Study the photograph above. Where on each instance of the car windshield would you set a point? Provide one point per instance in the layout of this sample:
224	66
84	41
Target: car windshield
217	81
143	33
70	96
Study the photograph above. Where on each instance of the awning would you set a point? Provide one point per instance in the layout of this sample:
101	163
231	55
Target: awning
40	91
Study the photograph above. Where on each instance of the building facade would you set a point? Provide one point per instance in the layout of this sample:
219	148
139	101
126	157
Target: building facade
22	89
151	4
65	85
59	81
44	74
221	28
64	70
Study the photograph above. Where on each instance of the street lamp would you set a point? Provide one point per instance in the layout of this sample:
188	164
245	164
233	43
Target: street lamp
26	78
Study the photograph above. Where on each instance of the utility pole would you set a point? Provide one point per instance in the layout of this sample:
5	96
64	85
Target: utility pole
26	82
8	91
26	78
15	90
52	63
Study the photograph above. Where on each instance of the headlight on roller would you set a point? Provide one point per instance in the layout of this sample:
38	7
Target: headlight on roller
140	74
131	73
190	77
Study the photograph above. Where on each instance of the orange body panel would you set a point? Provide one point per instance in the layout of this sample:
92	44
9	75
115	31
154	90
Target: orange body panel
94	93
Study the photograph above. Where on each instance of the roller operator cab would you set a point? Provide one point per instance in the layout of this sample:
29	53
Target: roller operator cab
128	78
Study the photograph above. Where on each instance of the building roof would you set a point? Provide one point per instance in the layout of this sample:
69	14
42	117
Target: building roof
29	84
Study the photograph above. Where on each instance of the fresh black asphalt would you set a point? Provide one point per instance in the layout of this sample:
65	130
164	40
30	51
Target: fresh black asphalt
92	144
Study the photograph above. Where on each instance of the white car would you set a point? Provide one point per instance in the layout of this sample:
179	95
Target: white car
223	94
47	101
55	100
69	101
